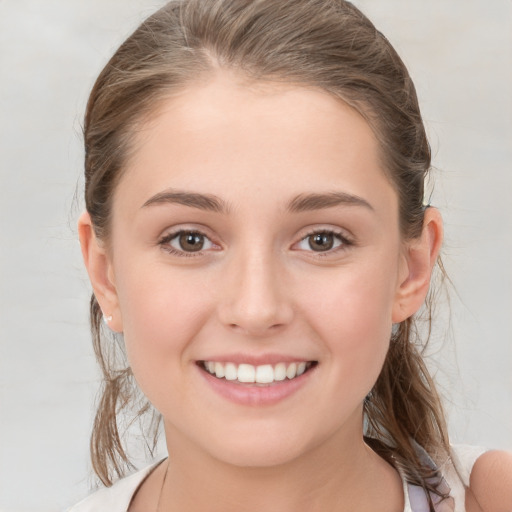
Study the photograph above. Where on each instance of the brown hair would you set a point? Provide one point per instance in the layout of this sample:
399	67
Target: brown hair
327	44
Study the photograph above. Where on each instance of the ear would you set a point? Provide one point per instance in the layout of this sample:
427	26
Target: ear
419	259
100	270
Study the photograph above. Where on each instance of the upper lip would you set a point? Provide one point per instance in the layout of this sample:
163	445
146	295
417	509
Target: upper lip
256	360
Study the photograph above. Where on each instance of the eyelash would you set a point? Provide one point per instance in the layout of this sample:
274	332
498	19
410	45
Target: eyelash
346	242
164	242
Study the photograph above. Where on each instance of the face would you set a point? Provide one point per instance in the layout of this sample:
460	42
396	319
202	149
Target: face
255	236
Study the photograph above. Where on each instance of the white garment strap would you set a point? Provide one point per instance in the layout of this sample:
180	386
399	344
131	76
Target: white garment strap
457	471
464	458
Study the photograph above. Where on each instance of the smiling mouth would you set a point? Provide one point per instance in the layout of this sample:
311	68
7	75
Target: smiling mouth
262	374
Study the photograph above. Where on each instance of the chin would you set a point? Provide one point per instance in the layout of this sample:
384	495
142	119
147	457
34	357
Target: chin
264	447
259	455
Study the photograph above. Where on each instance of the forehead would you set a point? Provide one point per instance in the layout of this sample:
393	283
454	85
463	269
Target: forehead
231	138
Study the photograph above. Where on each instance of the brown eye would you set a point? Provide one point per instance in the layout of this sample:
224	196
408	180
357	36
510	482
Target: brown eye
186	243
190	241
321	241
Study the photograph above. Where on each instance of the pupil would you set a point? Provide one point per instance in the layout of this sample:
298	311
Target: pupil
191	242
321	242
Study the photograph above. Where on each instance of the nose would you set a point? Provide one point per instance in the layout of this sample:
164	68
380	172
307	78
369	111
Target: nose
255	299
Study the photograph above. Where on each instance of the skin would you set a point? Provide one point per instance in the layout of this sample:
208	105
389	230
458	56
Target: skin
258	288
491	483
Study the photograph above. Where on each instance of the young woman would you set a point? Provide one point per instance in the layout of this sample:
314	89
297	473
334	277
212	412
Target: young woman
256	230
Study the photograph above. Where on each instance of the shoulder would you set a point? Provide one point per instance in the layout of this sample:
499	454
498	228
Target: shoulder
490	488
116	498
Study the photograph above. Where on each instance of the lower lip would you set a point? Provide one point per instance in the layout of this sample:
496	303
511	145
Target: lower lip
254	394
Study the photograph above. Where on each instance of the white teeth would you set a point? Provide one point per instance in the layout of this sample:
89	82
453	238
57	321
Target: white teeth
280	372
219	370
231	372
291	371
246	373
263	374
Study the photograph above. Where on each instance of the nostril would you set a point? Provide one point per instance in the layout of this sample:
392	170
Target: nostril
256	329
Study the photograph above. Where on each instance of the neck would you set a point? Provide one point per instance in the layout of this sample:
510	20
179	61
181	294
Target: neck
341	474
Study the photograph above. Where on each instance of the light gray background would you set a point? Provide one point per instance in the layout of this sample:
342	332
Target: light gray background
460	55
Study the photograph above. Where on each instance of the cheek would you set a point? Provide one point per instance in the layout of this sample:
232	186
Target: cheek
161	315
355	301
352	316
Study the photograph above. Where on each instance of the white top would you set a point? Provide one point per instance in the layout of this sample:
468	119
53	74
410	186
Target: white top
455	471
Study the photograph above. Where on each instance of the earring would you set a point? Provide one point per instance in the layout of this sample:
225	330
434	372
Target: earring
107	319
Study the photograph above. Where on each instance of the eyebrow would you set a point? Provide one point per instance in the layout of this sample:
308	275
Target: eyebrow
207	202
300	203
309	202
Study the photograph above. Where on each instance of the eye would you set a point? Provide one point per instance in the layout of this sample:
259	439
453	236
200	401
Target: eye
322	241
185	242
